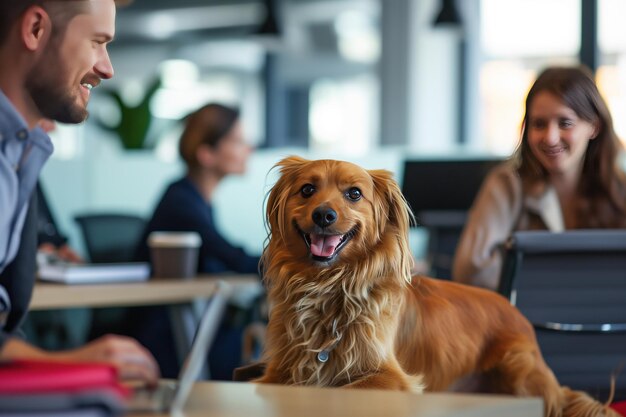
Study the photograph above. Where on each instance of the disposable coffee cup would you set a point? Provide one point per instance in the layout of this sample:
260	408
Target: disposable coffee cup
174	254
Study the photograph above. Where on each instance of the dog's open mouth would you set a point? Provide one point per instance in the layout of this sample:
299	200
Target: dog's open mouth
324	247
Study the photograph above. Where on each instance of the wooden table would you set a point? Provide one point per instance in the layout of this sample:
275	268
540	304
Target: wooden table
179	294
154	291
231	399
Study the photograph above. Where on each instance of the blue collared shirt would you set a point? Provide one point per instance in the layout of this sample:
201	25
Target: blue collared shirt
22	155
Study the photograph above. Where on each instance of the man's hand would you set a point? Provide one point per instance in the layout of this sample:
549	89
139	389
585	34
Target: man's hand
133	361
64	253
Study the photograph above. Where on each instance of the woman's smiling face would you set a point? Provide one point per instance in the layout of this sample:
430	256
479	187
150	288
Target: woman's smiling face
557	136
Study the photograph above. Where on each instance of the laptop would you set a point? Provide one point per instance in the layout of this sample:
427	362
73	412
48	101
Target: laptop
172	395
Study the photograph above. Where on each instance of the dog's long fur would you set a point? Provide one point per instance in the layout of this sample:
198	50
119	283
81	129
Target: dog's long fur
397	331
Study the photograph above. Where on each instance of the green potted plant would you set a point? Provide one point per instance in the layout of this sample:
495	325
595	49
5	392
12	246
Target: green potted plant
135	120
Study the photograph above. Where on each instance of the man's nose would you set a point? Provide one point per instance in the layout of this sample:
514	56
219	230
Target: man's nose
104	67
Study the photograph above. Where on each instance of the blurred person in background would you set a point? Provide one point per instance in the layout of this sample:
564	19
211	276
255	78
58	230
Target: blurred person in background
212	146
565	174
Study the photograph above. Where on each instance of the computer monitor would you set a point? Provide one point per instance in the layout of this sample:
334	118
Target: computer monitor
440	193
444	185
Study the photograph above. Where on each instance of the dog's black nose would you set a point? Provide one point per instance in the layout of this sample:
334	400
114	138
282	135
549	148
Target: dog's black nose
324	216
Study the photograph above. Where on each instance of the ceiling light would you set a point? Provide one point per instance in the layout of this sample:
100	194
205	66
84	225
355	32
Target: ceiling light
448	15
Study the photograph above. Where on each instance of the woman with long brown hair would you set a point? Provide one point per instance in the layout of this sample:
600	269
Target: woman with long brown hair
565	174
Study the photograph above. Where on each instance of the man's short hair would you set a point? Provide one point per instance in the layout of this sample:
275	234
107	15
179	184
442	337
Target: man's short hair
60	11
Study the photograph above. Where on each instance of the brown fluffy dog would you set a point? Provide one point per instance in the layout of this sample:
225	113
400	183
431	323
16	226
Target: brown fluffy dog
346	311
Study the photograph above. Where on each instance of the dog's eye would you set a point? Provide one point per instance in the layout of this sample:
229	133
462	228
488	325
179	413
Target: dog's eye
354	194
307	190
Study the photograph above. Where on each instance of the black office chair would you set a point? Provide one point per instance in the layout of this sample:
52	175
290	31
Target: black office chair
111	237
572	288
444	232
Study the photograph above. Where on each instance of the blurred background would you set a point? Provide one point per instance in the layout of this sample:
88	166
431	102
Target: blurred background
375	82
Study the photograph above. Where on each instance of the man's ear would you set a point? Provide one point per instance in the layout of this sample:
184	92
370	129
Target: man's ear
35	27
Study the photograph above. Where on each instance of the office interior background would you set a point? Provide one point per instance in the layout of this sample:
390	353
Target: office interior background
370	81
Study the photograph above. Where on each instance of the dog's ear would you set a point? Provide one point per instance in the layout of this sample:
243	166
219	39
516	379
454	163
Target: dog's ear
393	215
277	199
392	206
289	164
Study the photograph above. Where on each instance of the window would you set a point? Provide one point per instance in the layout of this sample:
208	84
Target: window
518	40
343	113
336	67
611	73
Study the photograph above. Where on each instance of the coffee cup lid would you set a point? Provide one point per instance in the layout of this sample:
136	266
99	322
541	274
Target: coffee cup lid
163	239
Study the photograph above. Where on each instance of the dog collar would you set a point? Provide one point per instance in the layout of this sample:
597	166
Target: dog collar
324	354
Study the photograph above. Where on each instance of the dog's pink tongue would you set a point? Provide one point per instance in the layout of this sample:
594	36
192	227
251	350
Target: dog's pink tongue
324	245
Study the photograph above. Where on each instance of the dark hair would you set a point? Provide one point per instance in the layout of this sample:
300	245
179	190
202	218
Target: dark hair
11	10
602	185
205	126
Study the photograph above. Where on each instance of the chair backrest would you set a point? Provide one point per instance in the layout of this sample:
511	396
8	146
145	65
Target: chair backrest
444	232
111	237
572	288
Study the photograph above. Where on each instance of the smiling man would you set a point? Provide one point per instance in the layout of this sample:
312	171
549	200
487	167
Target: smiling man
53	52
73	62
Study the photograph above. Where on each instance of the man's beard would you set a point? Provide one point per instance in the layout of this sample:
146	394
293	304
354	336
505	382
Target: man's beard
47	88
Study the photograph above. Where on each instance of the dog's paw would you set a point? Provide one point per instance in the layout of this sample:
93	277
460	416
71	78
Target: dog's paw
391	381
262	380
416	384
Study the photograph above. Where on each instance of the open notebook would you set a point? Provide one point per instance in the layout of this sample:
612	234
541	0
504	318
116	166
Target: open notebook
171	395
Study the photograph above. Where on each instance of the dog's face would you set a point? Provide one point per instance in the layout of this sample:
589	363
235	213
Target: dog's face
329	212
328	208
